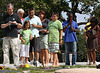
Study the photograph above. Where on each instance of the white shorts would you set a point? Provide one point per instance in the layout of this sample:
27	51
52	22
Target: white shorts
24	50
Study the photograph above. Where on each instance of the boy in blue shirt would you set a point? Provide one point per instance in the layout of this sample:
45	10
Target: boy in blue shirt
70	39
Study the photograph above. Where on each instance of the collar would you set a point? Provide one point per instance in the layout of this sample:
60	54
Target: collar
32	17
10	15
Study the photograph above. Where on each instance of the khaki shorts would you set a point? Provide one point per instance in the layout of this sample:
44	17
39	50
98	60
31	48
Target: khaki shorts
43	41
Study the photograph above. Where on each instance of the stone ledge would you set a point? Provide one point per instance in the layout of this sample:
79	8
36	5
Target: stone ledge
79	70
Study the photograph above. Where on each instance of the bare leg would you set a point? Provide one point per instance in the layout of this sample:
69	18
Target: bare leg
94	56
22	60
37	56
51	56
26	59
42	57
30	56
89	54
55	59
46	54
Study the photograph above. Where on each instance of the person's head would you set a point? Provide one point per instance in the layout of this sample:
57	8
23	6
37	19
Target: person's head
26	25
70	16
94	21
42	14
10	9
54	16
20	12
31	12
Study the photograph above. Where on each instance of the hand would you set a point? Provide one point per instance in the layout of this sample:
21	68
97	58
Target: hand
72	29
14	23
60	42
31	38
43	31
34	25
23	41
70	22
9	23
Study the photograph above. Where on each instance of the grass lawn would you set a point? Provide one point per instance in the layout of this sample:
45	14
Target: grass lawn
45	70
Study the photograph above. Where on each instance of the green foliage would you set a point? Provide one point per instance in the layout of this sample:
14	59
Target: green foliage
81	47
96	11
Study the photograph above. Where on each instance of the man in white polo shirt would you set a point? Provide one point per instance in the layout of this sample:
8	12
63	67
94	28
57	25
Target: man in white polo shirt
35	25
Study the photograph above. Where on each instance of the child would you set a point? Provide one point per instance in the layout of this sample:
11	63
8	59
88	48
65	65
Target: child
55	37
25	37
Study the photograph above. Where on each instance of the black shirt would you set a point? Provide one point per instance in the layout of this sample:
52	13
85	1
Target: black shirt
44	25
11	31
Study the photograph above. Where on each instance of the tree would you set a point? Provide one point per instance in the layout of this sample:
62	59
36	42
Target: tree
81	6
96	11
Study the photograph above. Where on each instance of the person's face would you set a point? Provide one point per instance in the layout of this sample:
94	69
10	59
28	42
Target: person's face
41	16
93	23
27	26
31	13
54	17
21	14
10	10
70	17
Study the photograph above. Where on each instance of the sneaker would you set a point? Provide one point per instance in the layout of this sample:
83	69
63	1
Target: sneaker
32	62
38	64
46	65
87	62
13	67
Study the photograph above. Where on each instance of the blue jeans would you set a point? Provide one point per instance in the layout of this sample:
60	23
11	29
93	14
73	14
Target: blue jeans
71	46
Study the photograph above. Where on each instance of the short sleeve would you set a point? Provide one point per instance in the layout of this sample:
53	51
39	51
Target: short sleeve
63	24
60	26
39	21
76	26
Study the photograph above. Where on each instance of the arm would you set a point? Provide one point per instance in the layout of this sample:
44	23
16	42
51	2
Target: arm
44	31
61	32
66	27
86	27
97	32
19	25
37	26
76	28
22	39
85	36
5	25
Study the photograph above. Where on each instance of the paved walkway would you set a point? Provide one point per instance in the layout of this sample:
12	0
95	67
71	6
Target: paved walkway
78	63
78	70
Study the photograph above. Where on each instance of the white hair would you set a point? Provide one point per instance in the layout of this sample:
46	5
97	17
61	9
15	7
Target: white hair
20	10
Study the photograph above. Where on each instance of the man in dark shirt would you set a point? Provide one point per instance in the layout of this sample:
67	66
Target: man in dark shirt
10	23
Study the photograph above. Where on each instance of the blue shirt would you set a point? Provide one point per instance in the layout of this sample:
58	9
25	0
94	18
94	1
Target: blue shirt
70	36
35	20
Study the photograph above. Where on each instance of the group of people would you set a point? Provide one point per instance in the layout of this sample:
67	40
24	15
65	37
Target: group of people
37	35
